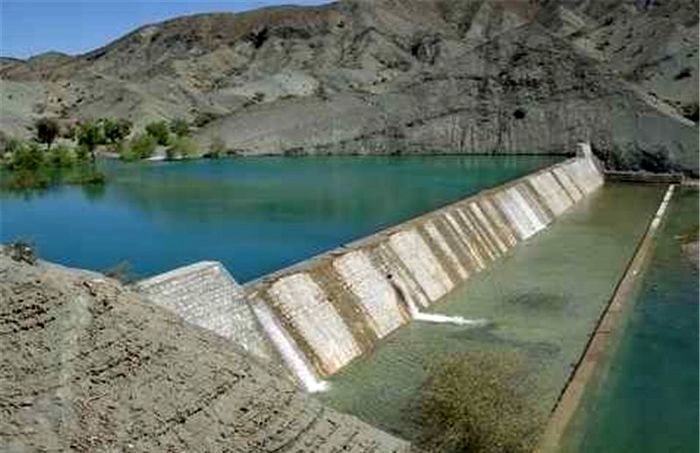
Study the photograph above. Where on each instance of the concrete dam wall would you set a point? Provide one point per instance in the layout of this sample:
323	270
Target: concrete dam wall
205	294
324	312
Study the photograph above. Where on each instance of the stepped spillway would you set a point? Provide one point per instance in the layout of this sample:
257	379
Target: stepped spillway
324	312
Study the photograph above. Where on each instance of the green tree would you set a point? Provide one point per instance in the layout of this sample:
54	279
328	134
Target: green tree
159	130
27	157
61	157
89	136
46	131
179	127
116	130
182	147
142	146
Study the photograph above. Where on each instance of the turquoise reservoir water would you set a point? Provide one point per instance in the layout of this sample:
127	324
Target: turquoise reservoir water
542	302
255	215
645	399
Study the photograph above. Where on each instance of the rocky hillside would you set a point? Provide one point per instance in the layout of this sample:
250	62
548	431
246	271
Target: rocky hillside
88	366
397	76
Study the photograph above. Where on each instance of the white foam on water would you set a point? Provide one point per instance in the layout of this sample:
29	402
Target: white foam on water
444	319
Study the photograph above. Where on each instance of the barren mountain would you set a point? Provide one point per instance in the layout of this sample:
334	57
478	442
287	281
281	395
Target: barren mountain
397	76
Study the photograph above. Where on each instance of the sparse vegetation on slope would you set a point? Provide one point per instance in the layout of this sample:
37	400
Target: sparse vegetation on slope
389	77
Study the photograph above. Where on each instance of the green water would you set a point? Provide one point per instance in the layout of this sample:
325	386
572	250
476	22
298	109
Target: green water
645	398
542	300
255	215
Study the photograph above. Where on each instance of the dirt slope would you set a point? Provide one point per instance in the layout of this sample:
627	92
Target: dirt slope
390	76
87	366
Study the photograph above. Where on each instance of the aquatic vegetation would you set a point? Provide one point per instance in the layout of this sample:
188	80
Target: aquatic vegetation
27	166
477	402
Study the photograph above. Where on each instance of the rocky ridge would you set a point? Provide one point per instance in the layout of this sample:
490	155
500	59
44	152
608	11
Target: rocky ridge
390	76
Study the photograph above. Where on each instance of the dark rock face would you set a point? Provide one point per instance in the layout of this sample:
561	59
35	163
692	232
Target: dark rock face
88	366
395	77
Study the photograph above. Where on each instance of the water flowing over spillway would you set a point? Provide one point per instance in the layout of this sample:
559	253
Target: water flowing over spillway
337	306
323	313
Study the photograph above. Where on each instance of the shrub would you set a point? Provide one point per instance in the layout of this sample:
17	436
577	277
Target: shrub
116	130
204	118
476	402
27	180
217	148
121	272
159	130
182	147
180	127
46	131
26	157
82	153
141	147
22	251
61	157
90	135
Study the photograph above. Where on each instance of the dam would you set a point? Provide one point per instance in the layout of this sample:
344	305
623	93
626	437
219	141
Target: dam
322	314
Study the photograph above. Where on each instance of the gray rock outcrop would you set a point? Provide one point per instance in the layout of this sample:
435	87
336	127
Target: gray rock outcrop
390	76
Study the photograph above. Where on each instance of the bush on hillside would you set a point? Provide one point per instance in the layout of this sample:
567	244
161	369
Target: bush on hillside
89	136
217	148
46	131
26	157
116	130
180	127
182	147
142	146
62	156
22	251
160	131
